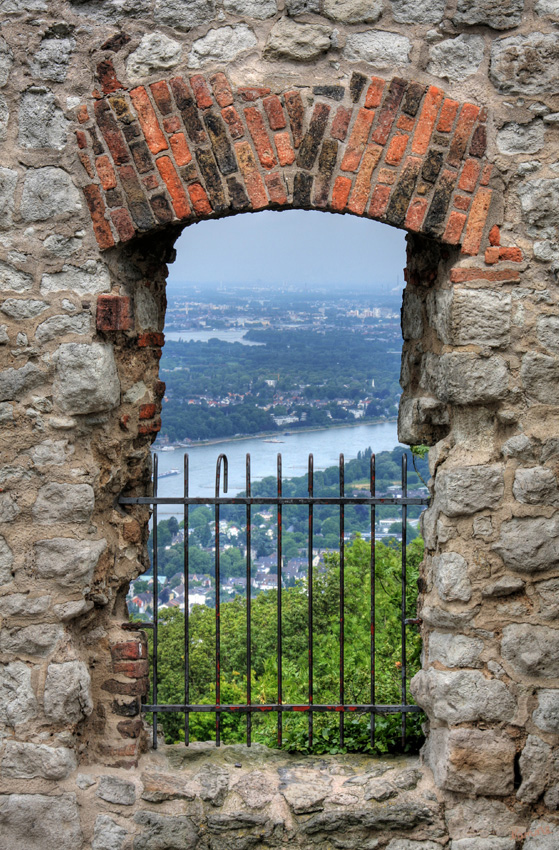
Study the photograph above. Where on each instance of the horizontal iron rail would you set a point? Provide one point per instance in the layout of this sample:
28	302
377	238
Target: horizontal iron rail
243	709
269	500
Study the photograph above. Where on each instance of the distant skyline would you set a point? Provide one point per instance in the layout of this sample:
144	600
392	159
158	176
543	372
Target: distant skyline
310	249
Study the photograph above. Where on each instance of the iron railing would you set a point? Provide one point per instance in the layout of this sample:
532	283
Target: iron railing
279	500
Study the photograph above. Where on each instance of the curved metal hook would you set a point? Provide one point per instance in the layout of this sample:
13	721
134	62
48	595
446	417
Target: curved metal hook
221	459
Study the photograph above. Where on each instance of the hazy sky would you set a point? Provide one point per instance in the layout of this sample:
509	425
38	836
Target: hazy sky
309	249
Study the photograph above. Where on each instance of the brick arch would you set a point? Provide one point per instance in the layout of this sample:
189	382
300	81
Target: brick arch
178	151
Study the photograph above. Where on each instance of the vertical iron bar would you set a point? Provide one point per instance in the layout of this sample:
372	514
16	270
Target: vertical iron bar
342	597
404	589
309	594
373	593
279	614
186	612
221	458
248	592
155	598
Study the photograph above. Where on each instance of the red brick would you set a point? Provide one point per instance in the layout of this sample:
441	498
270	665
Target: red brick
362	186
274	111
389	110
199	199
82	139
495	235
374	93
396	150
340	193
479	141
379	201
296	113
131	728
106	75
286	154
512	254
162	97
358	140
111	133
201	91
233	121
150	125
492	255
253	180
82	114
340	123
129	650
87	164
174	186
101	226
150	182
147	411
466	121
132	669
159	388
151	339
139	687
172	124
416	214
405	122
260	137
276	188
221	89
476	222
123	223
113	313
123	422
486	175
106	172
470	173
144	430
180	149
462	202
386	175
422	135
501	275
251	93
447	116
454	228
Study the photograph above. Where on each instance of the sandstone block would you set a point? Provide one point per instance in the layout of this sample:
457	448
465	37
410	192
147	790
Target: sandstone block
6	561
163	831
500	15
8	180
535	485
41	121
456	58
480	817
546	715
86	379
525	64
353	11
88	279
540	378
455	650
529	544
450	571
298	42
472	761
17	699
108	835
534	766
37	821
259	9
115	790
51	60
184	14
539	200
419	419
463	696
221	45
471	316
160	787
69	562
30	761
381	49
63	503
31	640
469	489
48	192
68	692
531	650
466	378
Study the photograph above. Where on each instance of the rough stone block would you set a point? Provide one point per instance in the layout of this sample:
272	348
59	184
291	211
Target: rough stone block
539	200
31	640
6	561
531	650
472	761
63	503
86	378
529	544
499	15
16	382
41	121
51	60
525	64
88	279
353	11
164	831
450	571
221	45
469	489
20	309
30	761
259	9
504	586
471	316
380	49
298	42
463	696
37	821
8	180
17	699
541	835
465	378
514	138
547	8
69	562
13	279
490	843
215	784
455	650
534	764
47	193
535	485
67	692
61	326
6	61
418	11
546	715
108	835
156	52
456	58
548	333
116	790
184	14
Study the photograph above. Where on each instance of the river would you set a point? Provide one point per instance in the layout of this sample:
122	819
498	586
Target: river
226	335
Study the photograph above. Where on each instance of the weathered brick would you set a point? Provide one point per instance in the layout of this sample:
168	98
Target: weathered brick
462	202
174	186
113	313
389	110
237	194
220	143
152	428
201	91
121	108
211	177
113	198
379	201
495	235
374	93
476	222
130	728
340	123
180	149
189	172
403	191
311	143
251	175
172	124
106	75
302	188
356	85
332	92
101	226
340	193
159	388
111	133
138	687
274	111
326	166
150	182
387	175
81	139
221	89
500	275
512	254
233	121
162	97
106	172
126	709
151	339
470	173
479	141
447	116
260	137
396	149
199	199
432	166
454	228
296	113
426	122
286	154
124	224
412	99
146	411
406	123
132	132
82	114
416	214
161	208
439	205
357	140
116	42
141	156
252	93
486	174
153	133
466	121
276	188
87	164
129	650
132	669
96	145
188	110
362	185
492	255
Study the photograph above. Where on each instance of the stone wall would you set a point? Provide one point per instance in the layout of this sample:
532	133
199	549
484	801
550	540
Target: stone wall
124	121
